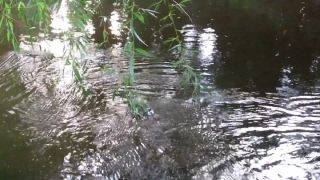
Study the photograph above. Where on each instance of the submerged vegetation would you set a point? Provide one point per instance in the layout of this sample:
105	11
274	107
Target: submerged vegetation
35	14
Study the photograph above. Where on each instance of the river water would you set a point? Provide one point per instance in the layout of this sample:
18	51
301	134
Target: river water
261	60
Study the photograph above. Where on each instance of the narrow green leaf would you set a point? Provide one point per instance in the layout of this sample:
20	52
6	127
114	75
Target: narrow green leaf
128	47
169	40
165	26
103	20
7	6
139	16
205	87
185	1
80	24
137	36
41	5
85	92
178	63
34	17
68	61
82	47
1	21
143	52
21	4
10	24
151	12
174	47
131	71
164	18
8	36
77	74
105	36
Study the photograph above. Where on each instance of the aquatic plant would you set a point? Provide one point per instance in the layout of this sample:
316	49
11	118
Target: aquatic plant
36	14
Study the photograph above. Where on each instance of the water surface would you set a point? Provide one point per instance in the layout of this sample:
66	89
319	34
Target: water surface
260	58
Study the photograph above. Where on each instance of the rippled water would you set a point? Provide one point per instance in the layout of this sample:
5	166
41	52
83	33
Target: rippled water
261	122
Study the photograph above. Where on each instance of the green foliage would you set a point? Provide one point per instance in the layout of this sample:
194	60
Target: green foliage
137	104
191	78
80	14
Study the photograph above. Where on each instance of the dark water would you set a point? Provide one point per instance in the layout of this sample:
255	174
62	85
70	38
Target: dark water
261	59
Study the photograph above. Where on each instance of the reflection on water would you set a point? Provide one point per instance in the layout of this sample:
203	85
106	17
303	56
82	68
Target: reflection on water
260	123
